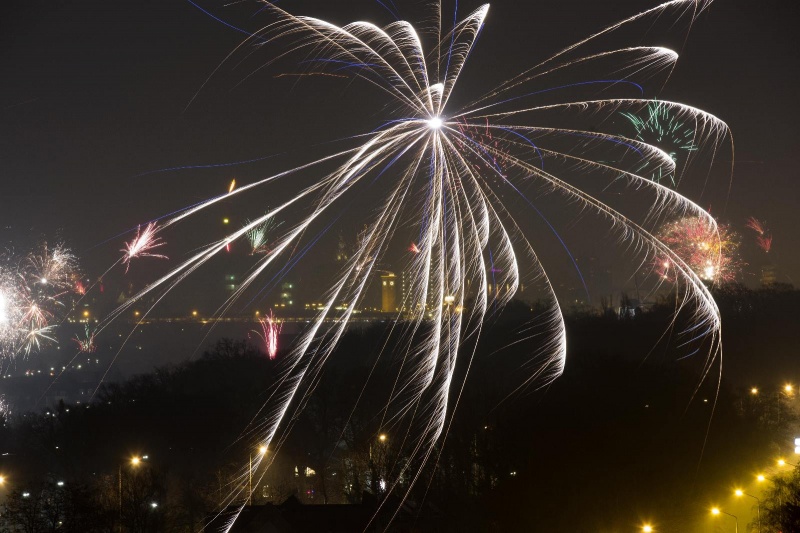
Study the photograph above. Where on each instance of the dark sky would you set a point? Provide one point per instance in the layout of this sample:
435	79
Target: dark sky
94	95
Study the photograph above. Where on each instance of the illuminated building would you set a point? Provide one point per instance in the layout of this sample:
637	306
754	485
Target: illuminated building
388	293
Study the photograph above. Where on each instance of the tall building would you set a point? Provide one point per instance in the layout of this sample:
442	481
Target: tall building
286	298
388	292
342	254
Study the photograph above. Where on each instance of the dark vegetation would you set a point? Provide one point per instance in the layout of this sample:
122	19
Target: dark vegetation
623	435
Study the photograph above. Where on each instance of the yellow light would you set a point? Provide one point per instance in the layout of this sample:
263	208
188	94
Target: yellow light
754	391
262	450
760	478
225	220
86	313
739	492
194	313
647	528
2	479
714	511
781	462
135	461
787	388
382	437
136	313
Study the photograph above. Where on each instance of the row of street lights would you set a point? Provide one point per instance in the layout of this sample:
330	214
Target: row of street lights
739	493
716	511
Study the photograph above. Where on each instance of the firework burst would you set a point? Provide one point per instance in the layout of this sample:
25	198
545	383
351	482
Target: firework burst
449	175
143	245
763	235
270	330
34	293
712	251
86	342
259	236
659	126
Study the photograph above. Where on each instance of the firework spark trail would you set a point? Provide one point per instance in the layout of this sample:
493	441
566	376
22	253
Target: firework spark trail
454	167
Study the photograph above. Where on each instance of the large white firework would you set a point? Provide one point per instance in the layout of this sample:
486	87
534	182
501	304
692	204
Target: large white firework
446	175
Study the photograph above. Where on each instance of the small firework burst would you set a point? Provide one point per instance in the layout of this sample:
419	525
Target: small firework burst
33	291
763	235
658	126
142	245
270	329
259	236
86	343
712	251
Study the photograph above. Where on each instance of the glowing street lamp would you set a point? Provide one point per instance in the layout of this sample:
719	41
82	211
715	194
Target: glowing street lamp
382	437
262	451
647	528
716	511
135	461
760	478
754	391
782	462
739	493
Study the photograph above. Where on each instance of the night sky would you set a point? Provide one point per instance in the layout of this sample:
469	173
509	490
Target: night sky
94	101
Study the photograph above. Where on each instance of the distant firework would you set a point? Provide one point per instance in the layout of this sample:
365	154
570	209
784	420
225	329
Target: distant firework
763	235
86	343
259	236
142	245
35	292
659	126
711	251
270	330
414	249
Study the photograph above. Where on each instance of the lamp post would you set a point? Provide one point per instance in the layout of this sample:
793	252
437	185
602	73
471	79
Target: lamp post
717	511
134	462
261	451
740	493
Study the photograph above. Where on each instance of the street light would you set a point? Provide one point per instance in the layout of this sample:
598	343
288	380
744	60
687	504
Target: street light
781	462
740	493
647	528
717	511
760	478
262	450
134	462
754	391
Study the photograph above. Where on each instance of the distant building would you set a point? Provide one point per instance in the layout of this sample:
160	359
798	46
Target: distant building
388	293
231	282
286	295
